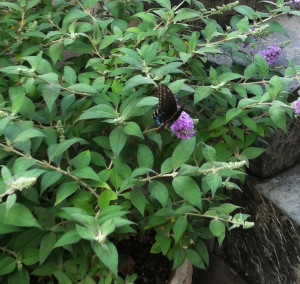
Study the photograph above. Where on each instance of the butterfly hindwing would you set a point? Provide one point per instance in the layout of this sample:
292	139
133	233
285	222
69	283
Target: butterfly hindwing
166	112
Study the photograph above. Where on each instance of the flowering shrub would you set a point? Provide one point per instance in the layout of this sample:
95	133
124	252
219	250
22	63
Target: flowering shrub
82	163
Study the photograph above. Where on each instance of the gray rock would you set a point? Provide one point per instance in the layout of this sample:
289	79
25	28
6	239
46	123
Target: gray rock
268	253
284	191
282	152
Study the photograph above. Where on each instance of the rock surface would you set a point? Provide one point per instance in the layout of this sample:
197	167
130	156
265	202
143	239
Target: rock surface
284	191
269	253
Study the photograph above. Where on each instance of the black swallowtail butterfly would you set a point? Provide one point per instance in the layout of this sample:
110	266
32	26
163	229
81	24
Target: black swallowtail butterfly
167	111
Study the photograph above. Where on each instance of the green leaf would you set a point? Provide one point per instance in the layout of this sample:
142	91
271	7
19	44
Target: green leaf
105	197
243	25
252	152
167	69
164	3
278	115
195	258
275	87
136	81
202	250
159	191
250	123
188	189
55	51
7	265
69	75
186	14
49	78
179	257
68	238
46	247
86	232
218	229
86	173
58	149
150	52
19	276
250	71
245	11
10	5
219	121
232	113
30	256
228	76
50	94
49	179
99	111
178	44
179	228
13	69
183	151
117	140
132	128
275	27
82	160
18	101
209	153
32	3
65	190
214	181
10	201
167	166
73	15
108	254
261	65
28	134
83	88
107	41
201	93
13	216
138	200
145	157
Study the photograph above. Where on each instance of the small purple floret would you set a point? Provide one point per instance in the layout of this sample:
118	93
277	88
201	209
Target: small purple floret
271	54
183	127
294	4
296	107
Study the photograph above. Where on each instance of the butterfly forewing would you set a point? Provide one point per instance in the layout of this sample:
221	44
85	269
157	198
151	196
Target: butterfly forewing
166	112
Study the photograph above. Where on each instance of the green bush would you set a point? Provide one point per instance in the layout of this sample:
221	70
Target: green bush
82	165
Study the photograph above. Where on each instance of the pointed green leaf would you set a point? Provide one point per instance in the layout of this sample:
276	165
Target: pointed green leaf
108	254
188	189
179	228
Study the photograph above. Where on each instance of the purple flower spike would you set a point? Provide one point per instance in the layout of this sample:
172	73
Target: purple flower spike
183	127
294	4
296	107
271	54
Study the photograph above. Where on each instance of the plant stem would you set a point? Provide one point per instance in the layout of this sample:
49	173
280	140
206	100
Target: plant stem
47	165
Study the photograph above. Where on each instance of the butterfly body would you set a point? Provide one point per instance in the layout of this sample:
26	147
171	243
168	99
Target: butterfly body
167	111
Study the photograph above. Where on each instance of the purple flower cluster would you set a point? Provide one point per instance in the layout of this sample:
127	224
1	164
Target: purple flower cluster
271	54
295	4
296	107
183	127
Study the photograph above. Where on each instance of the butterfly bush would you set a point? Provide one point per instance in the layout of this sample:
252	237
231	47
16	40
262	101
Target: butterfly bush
183	127
296	107
271	54
78	144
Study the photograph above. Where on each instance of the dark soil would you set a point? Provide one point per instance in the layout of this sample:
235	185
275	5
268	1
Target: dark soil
135	257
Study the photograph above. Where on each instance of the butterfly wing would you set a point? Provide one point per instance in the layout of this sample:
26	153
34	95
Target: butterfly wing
166	112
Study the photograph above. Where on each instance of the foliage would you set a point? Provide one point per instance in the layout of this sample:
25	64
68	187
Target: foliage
83	166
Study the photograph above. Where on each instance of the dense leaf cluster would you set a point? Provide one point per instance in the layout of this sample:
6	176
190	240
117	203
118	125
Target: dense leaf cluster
82	165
